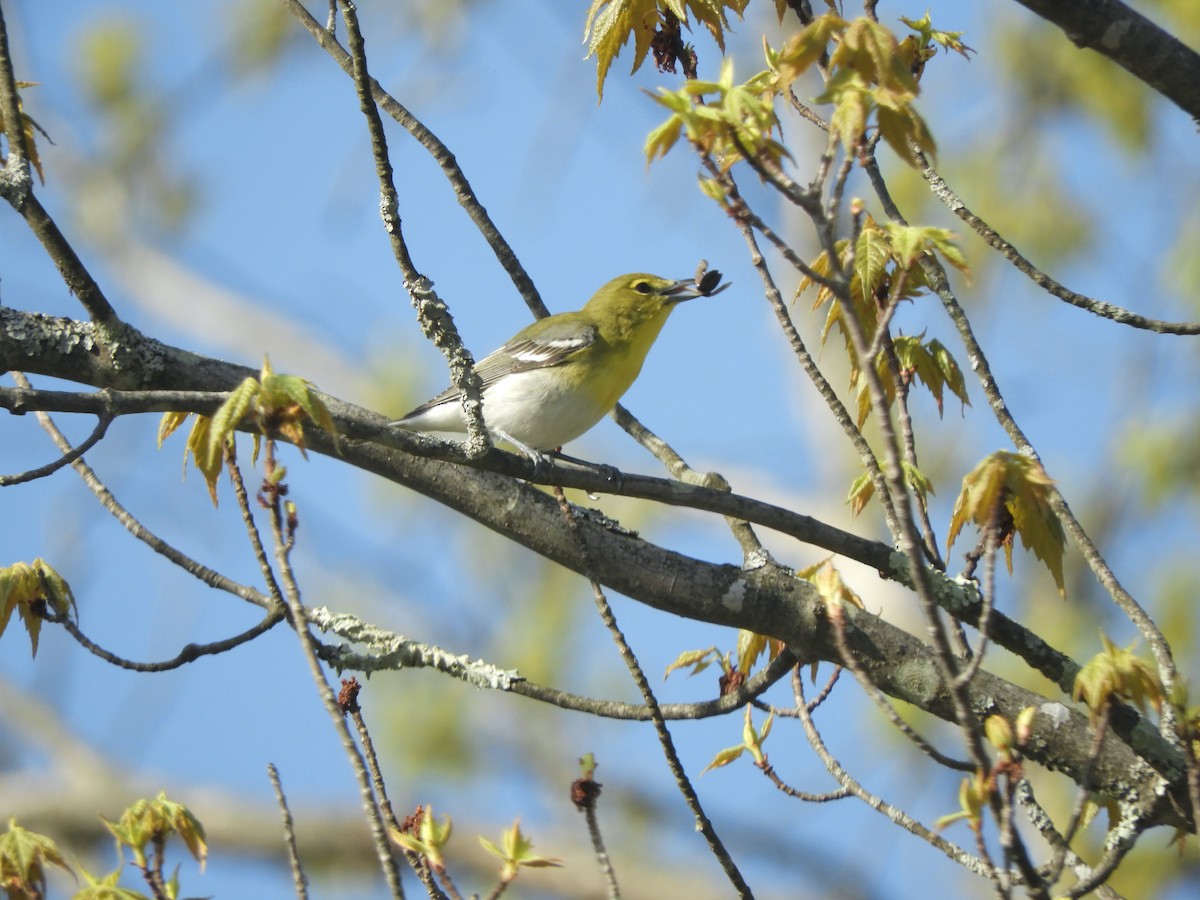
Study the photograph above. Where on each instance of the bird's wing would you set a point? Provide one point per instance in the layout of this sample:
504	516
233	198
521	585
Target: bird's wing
553	343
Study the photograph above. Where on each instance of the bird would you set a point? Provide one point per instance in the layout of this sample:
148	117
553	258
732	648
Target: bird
557	377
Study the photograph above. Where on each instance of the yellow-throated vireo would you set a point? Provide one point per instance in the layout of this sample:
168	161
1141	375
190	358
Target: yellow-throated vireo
557	378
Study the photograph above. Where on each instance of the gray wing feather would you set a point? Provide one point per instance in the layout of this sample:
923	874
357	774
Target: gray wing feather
552	347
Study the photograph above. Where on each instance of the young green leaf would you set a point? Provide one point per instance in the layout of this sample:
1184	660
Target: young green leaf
696	660
516	851
1007	482
973	796
149	823
1116	673
25	588
724	757
825	577
105	888
168	424
24	856
611	23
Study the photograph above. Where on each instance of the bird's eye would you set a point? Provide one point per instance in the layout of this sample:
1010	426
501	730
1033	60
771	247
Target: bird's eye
643	287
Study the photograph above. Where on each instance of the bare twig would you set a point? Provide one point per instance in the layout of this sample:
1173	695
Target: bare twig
441	155
432	311
283	531
1100	308
894	814
348	701
585	791
703	825
16	186
65	460
299	879
189	653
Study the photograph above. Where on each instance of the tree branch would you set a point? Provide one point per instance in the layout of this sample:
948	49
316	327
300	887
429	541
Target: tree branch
1133	42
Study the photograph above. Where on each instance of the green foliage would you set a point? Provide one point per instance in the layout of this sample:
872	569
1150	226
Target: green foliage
751	646
28	126
1012	484
1117	674
24	856
106	887
921	46
886	268
516	852
29	589
862	489
150	823
721	119
974	794
276	405
697	661
752	742
929	362
832	590
430	840
610	24
870	83
999	733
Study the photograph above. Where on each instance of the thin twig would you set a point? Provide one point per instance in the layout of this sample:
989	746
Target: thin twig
283	532
348	702
16	186
189	653
1042	822
703	825
896	815
753	552
1100	308
613	709
829	796
441	155
65	460
836	617
432	312
585	791
299	879
1083	795
211	577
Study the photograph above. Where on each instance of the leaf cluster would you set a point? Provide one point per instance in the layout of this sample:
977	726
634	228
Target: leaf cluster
1010	493
515	849
31	590
150	823
886	268
611	23
752	743
24	856
721	119
274	405
1116	673
27	128
145	827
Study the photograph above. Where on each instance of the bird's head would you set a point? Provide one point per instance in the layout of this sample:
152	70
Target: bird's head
642	296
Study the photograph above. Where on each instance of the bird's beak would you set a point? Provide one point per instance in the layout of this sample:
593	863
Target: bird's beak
678	291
